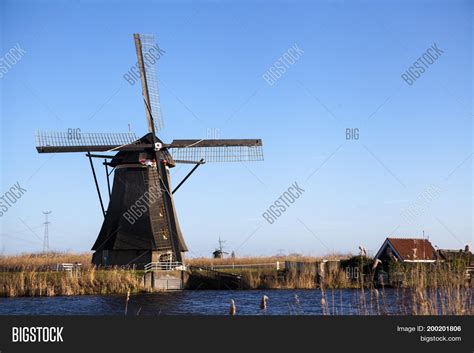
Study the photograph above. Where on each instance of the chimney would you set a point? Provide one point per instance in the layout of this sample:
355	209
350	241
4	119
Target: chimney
467	248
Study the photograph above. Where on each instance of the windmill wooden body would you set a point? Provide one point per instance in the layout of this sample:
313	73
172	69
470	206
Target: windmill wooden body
140	223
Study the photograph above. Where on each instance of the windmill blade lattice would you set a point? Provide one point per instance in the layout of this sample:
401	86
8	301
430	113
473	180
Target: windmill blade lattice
244	150
54	142
149	58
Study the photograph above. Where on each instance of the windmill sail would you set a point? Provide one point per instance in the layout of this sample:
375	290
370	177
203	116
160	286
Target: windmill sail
54	142
147	56
228	150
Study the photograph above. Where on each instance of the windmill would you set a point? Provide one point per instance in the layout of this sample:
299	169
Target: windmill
140	223
219	252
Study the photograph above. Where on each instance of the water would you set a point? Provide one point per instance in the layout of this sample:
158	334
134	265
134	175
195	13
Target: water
212	302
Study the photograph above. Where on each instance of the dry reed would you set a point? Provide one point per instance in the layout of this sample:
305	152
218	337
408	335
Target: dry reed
424	289
50	283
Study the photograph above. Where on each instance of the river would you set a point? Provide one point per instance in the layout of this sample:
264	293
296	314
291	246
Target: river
216	302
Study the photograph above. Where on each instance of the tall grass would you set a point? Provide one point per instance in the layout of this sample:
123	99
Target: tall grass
440	288
35	275
42	261
424	289
50	283
208	262
302	277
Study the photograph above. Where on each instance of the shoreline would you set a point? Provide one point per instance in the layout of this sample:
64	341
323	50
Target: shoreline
121	282
38	275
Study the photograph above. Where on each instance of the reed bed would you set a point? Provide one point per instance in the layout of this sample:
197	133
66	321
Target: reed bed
51	283
436	289
422	289
307	278
43	261
36	275
426	289
208	262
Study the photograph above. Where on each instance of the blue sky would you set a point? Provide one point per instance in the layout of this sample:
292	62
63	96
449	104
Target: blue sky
412	138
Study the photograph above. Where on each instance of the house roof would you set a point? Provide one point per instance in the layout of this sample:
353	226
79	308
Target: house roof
410	249
450	255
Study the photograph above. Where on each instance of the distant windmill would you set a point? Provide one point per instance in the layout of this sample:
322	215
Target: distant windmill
219	252
151	233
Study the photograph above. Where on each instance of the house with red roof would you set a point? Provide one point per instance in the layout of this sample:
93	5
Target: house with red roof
407	250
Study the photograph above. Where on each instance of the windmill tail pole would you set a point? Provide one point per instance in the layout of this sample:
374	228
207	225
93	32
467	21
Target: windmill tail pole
189	174
107	175
96	184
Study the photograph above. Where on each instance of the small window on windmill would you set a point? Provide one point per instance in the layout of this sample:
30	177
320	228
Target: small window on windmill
168	257
145	159
105	256
162	210
142	157
163	234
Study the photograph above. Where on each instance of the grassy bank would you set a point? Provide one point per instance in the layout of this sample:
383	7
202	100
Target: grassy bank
268	277
35	275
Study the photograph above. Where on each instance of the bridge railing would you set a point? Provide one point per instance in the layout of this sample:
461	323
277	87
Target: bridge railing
164	266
